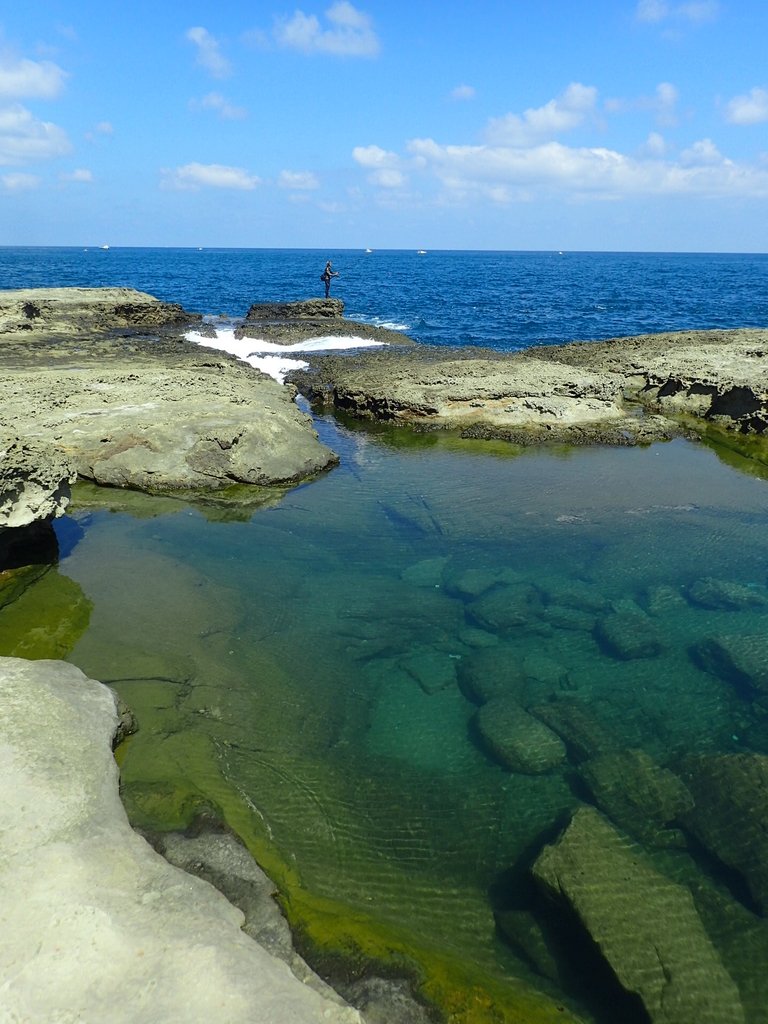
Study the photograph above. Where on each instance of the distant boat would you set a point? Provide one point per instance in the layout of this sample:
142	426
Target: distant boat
369	250
105	247
421	252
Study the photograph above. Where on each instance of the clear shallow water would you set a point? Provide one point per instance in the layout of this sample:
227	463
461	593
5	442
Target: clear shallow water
315	671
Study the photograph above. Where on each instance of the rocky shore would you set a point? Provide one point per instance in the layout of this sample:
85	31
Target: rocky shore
623	391
101	384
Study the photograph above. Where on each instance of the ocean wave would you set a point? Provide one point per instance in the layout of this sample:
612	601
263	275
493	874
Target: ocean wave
272	358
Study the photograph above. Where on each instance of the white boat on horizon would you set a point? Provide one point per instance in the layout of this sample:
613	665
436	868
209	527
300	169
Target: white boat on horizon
421	252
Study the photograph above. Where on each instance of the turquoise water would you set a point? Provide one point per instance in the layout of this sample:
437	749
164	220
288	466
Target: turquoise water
332	653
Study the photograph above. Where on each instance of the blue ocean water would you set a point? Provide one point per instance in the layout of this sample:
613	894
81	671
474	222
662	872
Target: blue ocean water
504	300
327	671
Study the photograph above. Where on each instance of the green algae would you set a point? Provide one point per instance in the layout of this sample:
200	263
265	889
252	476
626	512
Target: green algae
46	619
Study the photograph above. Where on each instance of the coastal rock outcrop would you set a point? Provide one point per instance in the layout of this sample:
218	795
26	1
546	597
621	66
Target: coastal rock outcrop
96	924
645	925
109	386
34	483
78	311
482	394
286	323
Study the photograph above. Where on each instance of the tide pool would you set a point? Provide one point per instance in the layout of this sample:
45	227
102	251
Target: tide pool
333	675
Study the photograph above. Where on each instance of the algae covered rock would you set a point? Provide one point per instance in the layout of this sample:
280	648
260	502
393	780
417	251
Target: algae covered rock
433	670
645	925
637	794
741	660
575	722
505	607
725	595
730	814
518	740
628	634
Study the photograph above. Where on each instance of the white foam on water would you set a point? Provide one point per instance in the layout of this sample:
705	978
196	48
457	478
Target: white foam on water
264	354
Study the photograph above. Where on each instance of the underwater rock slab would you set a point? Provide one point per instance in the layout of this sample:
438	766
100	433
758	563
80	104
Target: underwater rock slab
574	721
628	635
96	925
730	814
645	925
741	660
725	595
637	794
518	740
505	607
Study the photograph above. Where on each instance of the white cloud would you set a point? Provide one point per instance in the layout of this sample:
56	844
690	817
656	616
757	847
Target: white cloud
349	32
80	174
703	153
463	92
195	176
209	55
516	173
666	103
388	177
374	156
29	78
301	180
561	114
218	103
104	128
23	138
749	109
19	182
695	11
655	145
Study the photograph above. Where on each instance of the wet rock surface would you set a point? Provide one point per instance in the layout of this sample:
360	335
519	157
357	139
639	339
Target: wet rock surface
286	323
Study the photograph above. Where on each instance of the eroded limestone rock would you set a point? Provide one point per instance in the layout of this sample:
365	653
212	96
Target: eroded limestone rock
35	481
741	660
97	925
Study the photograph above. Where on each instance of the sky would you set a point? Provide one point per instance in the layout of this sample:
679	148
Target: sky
609	125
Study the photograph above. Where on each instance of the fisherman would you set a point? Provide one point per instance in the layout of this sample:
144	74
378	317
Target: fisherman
326	276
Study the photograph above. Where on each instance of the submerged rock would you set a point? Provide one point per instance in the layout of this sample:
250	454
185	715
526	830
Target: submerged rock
645	925
505	607
638	795
96	924
575	722
628	634
725	595
730	814
741	660
518	740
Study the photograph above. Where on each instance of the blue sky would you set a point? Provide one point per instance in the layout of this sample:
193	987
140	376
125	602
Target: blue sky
560	124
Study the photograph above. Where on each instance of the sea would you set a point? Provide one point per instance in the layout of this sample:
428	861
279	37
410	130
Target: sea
354	675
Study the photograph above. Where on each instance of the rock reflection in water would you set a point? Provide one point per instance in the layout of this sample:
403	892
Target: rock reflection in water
447	669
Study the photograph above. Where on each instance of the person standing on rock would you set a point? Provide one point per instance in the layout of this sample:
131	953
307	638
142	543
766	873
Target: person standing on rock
326	276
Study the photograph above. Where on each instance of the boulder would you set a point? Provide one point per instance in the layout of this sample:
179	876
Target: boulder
432	669
518	740
638	795
491	672
286	323
730	814
308	309
96	925
35	483
741	660
644	924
